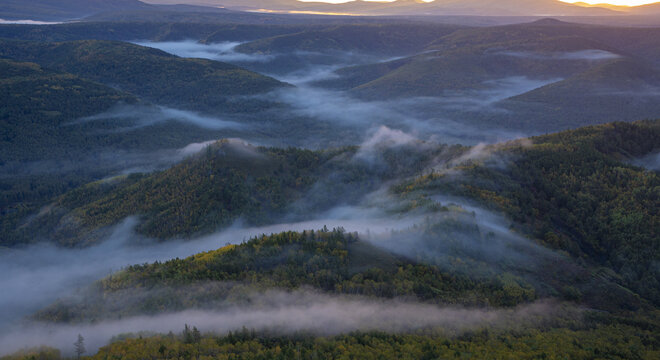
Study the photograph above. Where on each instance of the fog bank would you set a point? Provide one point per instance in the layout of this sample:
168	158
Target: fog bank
290	312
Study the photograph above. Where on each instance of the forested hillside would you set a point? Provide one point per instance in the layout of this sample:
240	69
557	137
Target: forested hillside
36	102
575	191
230	181
389	39
328	261
598	339
226	182
148	73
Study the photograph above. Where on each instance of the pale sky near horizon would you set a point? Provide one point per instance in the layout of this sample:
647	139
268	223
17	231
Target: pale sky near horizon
612	2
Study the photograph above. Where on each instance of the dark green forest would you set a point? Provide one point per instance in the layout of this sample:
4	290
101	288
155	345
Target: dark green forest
148	73
226	182
361	162
576	192
328	261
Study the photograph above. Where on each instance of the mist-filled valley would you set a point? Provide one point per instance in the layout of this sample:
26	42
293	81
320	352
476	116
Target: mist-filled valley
282	179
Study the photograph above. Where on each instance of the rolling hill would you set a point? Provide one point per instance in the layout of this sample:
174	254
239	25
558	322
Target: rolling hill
572	191
480	76
622	86
36	102
387	39
227	182
338	262
575	191
148	73
59	10
468	58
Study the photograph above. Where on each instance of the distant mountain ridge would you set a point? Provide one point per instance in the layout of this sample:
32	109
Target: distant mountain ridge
56	10
415	7
62	10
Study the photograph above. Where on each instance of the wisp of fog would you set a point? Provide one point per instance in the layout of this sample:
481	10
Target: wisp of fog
151	115
292	312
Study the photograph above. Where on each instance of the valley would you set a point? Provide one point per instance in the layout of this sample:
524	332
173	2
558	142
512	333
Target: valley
186	181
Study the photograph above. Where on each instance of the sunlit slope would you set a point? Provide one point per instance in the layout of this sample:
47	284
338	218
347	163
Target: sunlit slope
576	192
148	73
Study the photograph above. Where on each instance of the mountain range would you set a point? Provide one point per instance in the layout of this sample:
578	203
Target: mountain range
438	7
55	10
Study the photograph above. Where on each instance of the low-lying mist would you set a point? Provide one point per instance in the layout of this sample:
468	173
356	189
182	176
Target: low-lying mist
224	51
465	231
651	161
426	117
293	312
38	274
588	55
142	116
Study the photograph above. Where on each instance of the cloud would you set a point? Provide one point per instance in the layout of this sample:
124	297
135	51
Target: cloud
384	138
589	55
650	161
150	115
224	51
495	91
483	241
29	22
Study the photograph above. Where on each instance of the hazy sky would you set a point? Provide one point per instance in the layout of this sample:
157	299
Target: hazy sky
614	2
218	2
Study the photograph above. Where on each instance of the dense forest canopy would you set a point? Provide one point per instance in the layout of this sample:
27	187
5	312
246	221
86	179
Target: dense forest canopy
181	181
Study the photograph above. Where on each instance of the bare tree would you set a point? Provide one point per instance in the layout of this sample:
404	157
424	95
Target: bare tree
80	345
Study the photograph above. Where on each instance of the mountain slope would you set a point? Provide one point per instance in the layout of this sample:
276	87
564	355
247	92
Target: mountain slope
36	102
228	181
328	261
387	39
58	10
621	86
571	190
148	73
36	106
575	191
